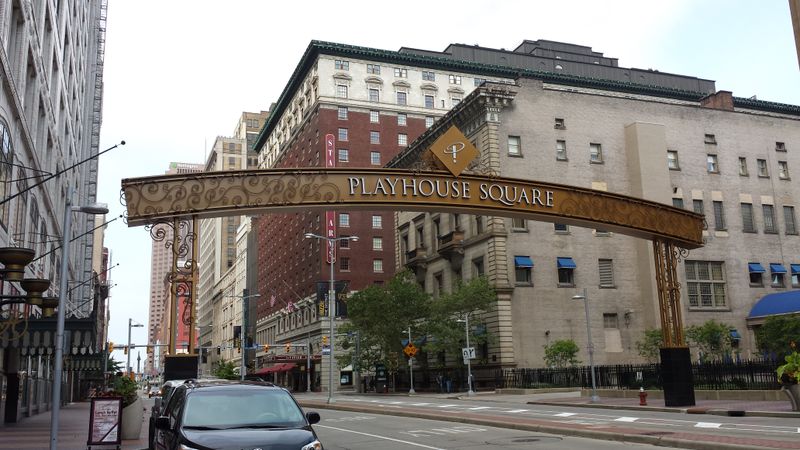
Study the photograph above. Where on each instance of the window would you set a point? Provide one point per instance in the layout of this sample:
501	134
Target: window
342	134
719	216
677	202
595	153
374	116
402	120
566	272
788	220
377	243
402	98
374	95
344	243
429	101
777	272
402	139
710	139
705	284
606	269
743	167
375	158
428	76
762	168
344	263
342	115
344	155
478	81
340	64
610	320
559	125
374	137
455	101
377	265
795	275
479	224
712	165
428	121
783	170
401	73
514	146
341	91
477	267
523	266
377	221
748	223
756	274
455	79
561	150
560	228
519	224
780	147
344	219
374	69
769	219
672	160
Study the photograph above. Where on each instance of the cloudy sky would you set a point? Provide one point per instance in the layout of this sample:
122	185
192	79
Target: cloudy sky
179	73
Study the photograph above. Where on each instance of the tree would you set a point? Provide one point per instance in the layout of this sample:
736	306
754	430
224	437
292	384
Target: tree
712	339
224	369
649	347
445	332
561	353
777	333
114	366
380	315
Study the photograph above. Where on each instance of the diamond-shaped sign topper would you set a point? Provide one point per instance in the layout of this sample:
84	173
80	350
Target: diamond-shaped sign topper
454	150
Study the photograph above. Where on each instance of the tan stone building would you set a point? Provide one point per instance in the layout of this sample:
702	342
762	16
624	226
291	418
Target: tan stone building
723	156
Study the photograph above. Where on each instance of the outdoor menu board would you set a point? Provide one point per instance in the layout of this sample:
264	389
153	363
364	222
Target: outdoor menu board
104	421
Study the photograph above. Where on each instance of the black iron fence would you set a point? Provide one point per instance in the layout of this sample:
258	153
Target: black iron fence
715	376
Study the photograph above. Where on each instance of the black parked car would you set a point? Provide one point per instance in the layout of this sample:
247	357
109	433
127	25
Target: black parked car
234	415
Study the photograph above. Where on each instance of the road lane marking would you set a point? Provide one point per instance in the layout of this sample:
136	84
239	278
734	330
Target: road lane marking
379	437
707	425
420	404
566	414
626	419
447	406
478	408
515	411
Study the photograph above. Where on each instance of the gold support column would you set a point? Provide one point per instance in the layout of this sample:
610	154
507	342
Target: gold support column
173	289
666	256
193	279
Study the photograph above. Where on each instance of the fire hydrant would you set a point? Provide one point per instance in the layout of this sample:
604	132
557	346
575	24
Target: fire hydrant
642	397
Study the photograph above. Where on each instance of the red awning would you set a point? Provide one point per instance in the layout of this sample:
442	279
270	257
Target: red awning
283	367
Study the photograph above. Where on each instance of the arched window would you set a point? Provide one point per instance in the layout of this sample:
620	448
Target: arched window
6	158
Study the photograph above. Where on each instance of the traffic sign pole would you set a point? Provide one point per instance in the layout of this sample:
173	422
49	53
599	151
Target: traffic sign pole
411	351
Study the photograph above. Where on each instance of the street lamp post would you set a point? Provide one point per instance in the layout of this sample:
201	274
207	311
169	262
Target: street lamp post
58	365
411	365
595	398
470	392
331	303
243	335
130	325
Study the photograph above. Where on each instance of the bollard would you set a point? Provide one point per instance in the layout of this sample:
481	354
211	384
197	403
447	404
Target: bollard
642	397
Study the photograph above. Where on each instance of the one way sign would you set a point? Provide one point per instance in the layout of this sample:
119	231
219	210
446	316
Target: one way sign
468	352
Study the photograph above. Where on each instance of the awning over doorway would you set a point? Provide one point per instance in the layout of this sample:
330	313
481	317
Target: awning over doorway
283	367
775	304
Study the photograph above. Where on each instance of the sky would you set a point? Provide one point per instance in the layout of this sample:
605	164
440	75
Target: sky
179	73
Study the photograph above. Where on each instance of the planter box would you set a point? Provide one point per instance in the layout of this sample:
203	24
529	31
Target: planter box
132	416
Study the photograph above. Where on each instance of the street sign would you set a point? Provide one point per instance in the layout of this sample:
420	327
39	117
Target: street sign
468	353
326	350
410	350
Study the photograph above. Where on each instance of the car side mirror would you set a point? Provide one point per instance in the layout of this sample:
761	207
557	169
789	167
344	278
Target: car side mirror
312	417
162	423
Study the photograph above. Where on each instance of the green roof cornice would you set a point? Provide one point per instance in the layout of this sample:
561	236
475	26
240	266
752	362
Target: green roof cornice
315	48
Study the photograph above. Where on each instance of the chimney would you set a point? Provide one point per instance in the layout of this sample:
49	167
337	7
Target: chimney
721	100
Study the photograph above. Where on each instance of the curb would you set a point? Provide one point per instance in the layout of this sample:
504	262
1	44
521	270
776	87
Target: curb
661	441
690	410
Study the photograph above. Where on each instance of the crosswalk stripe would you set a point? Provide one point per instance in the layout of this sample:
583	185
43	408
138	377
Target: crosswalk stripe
478	408
514	411
626	419
565	414
707	425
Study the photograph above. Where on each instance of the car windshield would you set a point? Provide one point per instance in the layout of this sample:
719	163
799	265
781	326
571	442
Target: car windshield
231	409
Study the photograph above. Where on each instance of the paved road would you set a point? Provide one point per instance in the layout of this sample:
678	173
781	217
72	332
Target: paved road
632	426
355	431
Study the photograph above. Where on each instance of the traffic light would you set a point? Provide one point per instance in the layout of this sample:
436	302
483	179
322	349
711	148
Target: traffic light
266	348
110	346
288	347
324	340
125	349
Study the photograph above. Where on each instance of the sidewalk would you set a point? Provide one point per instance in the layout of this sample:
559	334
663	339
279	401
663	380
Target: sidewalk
73	431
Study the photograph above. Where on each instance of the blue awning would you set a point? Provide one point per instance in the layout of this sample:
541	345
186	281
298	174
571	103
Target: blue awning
777	268
755	268
566	263
795	268
735	335
778	303
523	261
